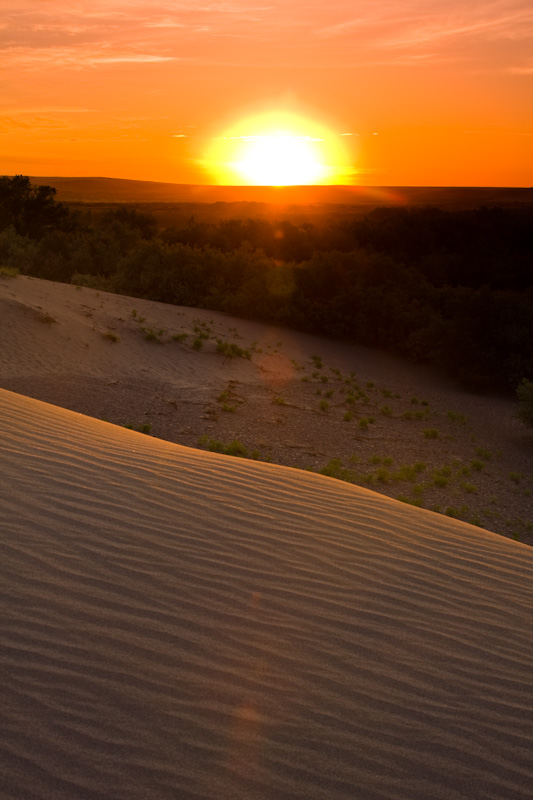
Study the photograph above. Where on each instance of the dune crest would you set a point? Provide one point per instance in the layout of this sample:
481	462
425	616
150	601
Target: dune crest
181	624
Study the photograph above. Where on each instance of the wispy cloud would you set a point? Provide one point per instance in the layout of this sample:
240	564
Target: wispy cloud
412	21
76	57
525	69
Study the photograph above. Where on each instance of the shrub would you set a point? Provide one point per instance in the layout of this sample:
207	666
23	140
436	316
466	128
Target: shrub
152	336
231	350
431	433
236	448
145	427
110	336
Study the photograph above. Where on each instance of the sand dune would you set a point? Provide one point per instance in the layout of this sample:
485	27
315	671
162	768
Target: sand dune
179	624
298	400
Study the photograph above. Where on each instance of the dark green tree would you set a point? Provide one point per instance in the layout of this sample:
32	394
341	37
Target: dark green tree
30	210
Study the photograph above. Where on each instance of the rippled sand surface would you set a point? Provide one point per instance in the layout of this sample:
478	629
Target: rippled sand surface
178	624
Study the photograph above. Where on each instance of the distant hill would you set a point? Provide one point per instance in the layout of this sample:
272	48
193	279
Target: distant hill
118	190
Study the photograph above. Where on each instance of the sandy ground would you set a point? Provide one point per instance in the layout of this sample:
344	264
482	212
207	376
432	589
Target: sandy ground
182	624
297	400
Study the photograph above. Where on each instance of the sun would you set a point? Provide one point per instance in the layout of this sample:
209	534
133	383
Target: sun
279	159
277	150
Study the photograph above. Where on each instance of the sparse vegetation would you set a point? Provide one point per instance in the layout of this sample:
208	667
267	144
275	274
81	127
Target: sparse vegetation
144	427
9	272
233	448
231	350
153	336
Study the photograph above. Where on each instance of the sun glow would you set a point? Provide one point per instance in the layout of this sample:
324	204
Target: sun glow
278	150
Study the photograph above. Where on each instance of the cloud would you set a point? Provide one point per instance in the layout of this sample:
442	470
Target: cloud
76	57
251	33
414	22
526	69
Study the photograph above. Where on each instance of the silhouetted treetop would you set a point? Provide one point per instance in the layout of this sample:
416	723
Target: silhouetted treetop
31	210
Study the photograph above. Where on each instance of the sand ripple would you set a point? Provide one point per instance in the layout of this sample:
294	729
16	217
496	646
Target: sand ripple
177	624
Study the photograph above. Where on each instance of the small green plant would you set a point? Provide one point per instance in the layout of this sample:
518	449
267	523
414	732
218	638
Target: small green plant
370	384
198	343
348	416
234	448
363	424
324	405
486	455
134	312
516	477
453	416
386	411
279	401
451	511
431	433
179	337
110	336
469	488
145	427
317	361
231	350
382	475
153	336
477	465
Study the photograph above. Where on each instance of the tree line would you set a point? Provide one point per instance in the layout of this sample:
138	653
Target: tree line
447	288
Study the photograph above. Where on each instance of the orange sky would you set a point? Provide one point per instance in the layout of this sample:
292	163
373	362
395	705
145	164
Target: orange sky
431	93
